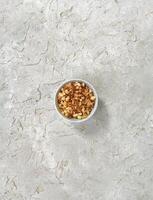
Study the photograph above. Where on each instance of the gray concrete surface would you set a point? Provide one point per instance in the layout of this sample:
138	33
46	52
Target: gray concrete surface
110	44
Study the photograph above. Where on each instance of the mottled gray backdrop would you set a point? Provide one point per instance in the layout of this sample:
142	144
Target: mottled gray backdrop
106	42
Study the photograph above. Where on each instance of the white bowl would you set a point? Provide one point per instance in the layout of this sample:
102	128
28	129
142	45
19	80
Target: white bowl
76	121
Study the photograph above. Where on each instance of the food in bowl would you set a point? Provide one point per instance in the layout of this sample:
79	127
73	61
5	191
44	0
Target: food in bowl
75	100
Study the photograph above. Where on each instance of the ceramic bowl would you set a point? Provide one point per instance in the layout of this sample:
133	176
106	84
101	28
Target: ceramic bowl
76	121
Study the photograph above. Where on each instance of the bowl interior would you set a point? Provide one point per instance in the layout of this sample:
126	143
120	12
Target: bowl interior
94	108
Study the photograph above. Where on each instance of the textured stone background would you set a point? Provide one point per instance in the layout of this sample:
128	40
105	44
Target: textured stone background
110	44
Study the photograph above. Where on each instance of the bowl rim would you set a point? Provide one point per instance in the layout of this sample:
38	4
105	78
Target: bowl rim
93	110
